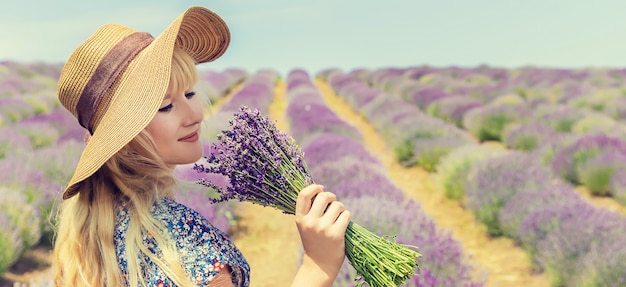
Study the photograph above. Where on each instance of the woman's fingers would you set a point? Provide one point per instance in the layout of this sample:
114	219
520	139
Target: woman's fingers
316	207
303	203
321	203
332	212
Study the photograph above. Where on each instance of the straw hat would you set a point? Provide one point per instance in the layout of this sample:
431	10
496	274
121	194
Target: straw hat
115	81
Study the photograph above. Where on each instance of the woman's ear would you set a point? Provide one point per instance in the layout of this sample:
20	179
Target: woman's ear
87	137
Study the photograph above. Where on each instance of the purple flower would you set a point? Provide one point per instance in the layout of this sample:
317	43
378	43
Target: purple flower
424	97
596	173
40	134
451	108
542	222
375	187
604	263
563	249
488	122
24	215
58	161
310	120
16	108
521	205
11	242
617	108
453	169
493	181
560	117
333	147
428	152
257	91
618	186
527	136
13	142
337	172
255	149
567	161
217	84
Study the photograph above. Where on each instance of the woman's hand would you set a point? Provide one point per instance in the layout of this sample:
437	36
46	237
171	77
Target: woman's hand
322	223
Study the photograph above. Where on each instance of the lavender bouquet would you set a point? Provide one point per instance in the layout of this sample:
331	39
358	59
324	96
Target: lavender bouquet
265	166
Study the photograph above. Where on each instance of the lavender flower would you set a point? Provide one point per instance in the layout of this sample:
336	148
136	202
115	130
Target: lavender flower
330	146
596	173
560	117
524	203
594	123
40	134
16	109
617	109
57	161
527	136
452	171
257	91
488	122
541	222
428	152
604	264
618	186
13	142
349	177
310	120
449	108
564	248
216	84
493	181
265	166
25	217
18	175
11	242
59	118
566	161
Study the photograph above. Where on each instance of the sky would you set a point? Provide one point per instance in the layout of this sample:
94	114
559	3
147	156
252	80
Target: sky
344	34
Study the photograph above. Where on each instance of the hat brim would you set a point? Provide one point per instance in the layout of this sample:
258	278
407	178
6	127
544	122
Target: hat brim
200	32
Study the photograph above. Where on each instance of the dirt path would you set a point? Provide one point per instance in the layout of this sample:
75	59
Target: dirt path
268	238
602	201
504	263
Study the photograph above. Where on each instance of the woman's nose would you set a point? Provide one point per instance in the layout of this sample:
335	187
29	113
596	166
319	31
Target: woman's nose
193	111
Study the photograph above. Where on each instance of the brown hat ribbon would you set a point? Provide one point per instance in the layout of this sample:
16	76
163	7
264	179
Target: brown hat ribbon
108	70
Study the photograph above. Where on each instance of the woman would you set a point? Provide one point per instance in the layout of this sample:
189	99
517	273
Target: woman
119	224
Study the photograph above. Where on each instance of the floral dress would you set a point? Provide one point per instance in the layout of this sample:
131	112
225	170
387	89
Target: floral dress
204	249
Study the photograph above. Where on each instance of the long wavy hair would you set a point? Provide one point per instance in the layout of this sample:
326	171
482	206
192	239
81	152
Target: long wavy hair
84	251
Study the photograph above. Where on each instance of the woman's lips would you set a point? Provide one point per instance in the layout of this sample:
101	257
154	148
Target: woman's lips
190	138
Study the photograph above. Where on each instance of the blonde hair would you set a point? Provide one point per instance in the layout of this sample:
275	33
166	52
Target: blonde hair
84	251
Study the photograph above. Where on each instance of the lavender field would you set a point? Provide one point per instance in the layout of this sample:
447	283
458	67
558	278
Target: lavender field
536	157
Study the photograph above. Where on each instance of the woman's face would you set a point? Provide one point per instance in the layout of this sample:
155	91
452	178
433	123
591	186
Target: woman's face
176	128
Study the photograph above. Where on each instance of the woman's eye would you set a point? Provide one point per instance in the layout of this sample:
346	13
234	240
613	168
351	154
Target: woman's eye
166	108
190	95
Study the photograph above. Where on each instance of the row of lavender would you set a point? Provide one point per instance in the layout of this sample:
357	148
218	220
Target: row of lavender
574	120
40	143
514	194
337	158
37	148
